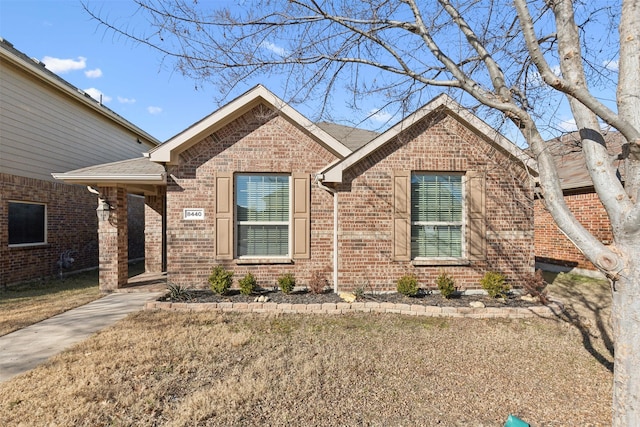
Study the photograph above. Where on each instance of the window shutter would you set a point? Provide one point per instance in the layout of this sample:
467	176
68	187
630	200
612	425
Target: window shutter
477	227
401	215
224	215
301	216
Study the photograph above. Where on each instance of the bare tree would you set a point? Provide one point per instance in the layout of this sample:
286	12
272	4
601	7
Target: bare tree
513	57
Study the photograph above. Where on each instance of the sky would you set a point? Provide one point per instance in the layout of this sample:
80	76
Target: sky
131	79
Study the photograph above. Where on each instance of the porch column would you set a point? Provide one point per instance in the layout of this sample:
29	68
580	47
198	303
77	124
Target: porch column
153	232
112	240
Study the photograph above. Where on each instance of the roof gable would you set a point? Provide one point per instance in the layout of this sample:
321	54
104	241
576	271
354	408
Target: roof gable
168	152
445	103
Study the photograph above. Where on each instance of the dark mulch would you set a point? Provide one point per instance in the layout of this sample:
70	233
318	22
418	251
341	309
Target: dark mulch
306	297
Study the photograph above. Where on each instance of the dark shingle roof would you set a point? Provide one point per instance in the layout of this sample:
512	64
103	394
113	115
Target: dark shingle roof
570	161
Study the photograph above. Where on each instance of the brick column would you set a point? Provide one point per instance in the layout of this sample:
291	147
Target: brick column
153	232
112	240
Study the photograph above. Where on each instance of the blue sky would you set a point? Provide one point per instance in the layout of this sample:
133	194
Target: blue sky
132	79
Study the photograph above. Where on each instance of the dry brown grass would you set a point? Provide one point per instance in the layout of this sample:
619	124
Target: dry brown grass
28	303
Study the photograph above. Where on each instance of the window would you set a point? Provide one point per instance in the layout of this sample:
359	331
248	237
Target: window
262	215
436	215
27	223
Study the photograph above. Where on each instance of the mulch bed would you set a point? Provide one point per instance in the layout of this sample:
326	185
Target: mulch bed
306	297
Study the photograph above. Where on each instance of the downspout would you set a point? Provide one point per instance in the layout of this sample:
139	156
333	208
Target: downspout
334	192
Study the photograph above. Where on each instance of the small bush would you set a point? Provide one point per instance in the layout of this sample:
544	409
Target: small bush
494	284
535	285
178	292
248	284
220	280
408	285
446	285
286	283
318	282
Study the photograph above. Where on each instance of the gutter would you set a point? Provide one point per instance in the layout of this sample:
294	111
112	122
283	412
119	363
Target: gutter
318	179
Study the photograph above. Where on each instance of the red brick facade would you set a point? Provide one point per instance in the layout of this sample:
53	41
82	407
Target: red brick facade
71	225
260	141
553	247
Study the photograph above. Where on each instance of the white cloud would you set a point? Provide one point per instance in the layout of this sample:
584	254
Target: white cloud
124	100
98	95
93	74
568	125
380	116
274	48
154	110
611	64
62	66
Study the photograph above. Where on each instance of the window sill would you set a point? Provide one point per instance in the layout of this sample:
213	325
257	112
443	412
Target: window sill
248	261
438	262
24	246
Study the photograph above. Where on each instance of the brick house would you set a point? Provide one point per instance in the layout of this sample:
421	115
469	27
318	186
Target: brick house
554	252
48	125
257	187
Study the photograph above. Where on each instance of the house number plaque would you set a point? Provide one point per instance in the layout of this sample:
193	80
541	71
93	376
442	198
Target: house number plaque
194	214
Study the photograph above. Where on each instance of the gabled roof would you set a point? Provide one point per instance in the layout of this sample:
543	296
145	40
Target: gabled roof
444	103
570	161
168	152
37	69
353	138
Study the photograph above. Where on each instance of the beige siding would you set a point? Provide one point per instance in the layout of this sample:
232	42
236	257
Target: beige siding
45	131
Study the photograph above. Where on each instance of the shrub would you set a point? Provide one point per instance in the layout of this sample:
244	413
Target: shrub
286	283
178	292
494	284
220	280
535	285
446	284
408	285
248	284
318	282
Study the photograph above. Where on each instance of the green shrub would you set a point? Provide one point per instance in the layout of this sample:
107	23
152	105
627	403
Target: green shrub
446	285
408	285
248	284
178	292
220	280
286	283
494	284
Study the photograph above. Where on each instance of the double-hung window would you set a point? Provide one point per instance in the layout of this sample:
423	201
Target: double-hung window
27	223
262	215
437	211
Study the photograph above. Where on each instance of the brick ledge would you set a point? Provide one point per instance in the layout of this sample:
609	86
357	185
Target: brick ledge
546	311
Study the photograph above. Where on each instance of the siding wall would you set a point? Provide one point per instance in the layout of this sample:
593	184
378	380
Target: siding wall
553	247
45	131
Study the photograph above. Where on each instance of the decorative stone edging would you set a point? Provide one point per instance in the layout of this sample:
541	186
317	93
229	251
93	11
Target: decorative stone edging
553	309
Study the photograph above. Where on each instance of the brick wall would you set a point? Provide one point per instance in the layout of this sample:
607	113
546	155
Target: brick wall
553	247
71	225
437	144
260	142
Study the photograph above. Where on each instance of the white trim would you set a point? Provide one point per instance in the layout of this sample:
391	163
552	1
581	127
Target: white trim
334	173
167	152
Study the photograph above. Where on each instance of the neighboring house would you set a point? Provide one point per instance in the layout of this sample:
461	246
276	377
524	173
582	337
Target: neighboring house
554	251
256	187
48	125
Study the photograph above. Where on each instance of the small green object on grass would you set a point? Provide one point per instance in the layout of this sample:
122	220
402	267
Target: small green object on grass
514	421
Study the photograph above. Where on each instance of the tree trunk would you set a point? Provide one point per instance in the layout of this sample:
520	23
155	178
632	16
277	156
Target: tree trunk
626	334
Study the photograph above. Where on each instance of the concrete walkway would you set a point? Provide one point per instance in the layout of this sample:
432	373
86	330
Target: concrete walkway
26	348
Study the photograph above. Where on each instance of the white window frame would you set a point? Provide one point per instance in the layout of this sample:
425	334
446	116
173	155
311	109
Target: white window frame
237	223
461	223
45	225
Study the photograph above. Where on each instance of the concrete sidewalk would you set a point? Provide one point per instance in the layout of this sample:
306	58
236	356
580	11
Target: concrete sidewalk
26	348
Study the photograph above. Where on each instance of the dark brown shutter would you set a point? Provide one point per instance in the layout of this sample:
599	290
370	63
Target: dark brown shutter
401	215
224	215
301	216
476	222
